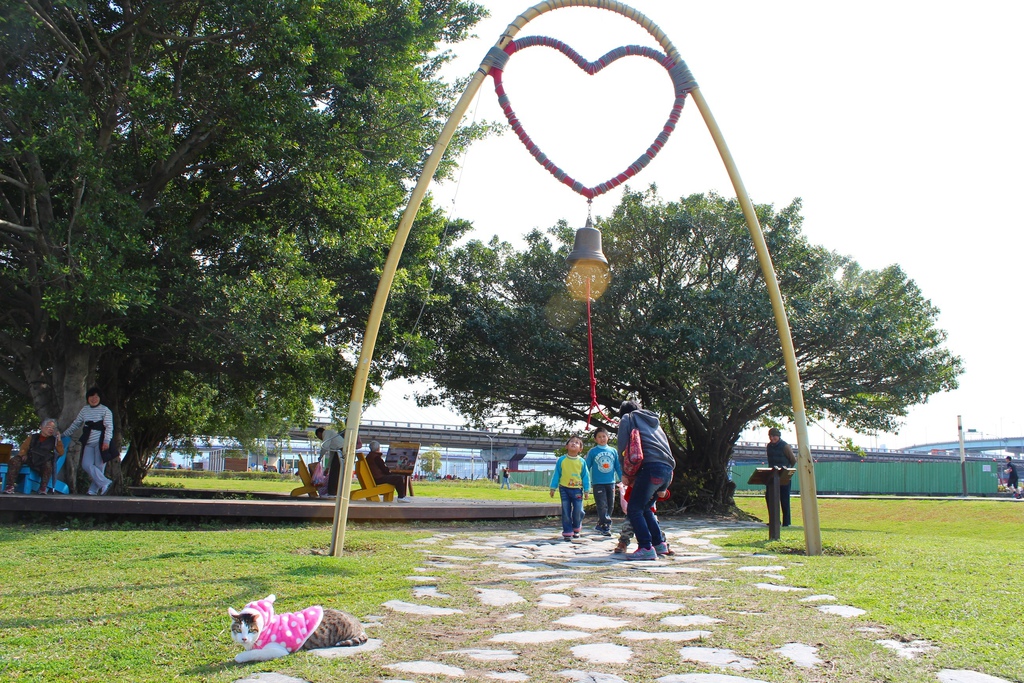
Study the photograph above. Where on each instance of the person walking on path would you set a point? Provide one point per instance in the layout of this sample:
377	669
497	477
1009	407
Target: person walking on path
626	530
654	474
504	479
572	480
603	463
780	455
39	452
1011	478
97	423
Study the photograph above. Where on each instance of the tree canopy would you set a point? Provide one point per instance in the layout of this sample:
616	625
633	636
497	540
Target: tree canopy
197	199
686	326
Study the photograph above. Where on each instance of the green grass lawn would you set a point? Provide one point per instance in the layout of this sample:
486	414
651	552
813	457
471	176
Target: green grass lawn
949	571
85	602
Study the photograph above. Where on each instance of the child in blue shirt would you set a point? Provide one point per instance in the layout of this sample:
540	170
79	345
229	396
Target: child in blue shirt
603	463
572	479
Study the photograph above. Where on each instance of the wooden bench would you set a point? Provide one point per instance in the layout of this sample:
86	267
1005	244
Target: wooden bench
370	490
307	482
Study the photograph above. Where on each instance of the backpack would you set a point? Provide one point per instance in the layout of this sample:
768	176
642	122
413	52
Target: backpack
633	456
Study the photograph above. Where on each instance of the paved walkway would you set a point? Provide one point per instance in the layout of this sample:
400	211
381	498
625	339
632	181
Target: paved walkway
610	621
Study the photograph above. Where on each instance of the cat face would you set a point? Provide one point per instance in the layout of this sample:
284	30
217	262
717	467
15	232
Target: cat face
245	627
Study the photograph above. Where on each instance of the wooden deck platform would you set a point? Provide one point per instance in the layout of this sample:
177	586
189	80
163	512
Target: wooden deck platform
272	507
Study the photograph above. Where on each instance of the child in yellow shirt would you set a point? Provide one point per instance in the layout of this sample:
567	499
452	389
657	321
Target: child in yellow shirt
572	480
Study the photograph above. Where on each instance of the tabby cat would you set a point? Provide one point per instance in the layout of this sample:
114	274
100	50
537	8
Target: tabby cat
266	635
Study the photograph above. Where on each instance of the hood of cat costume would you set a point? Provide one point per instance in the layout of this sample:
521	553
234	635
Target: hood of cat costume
290	629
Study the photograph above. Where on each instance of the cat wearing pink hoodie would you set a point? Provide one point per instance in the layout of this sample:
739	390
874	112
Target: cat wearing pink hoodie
266	635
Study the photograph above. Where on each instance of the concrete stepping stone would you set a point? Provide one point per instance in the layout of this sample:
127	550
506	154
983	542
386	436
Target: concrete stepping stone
484	655
498	597
422	610
510	676
908	649
673	636
514	615
602	653
554	600
870	629
428	592
763	568
842	610
560	586
422	579
801	655
966	676
706	678
717	656
671	570
271	677
825	597
690	620
427	668
533	637
591	676
647	607
777	588
591	622
341	652
616	593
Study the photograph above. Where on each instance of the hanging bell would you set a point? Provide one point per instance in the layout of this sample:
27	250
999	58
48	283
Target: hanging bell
587	246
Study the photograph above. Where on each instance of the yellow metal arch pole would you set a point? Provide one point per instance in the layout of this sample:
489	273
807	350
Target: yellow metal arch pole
808	487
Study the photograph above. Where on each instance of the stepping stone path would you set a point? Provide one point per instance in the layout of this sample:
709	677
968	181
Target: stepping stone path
523	605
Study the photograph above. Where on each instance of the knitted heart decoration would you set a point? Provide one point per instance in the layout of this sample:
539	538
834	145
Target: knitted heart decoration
682	82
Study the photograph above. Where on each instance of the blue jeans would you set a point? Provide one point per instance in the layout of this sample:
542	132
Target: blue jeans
604	497
652	477
505	484
572	510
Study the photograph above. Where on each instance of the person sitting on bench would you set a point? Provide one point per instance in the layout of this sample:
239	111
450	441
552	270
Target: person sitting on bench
39	451
381	473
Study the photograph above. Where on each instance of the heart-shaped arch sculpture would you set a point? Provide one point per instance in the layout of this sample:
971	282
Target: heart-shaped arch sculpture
682	82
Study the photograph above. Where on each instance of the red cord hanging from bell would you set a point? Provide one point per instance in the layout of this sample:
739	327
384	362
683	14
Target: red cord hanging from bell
588	265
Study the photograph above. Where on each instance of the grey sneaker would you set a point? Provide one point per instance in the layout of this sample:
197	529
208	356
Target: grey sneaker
642	554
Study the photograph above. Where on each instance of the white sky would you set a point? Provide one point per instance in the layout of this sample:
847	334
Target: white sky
899	124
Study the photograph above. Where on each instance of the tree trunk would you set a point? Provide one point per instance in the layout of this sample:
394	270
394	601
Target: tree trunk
63	397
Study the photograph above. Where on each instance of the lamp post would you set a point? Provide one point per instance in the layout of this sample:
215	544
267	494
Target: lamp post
808	488
491	440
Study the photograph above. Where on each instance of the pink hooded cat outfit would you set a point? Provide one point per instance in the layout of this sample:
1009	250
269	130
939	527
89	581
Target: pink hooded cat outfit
290	629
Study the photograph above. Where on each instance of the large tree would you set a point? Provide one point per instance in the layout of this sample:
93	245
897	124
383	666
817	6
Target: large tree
197	198
686	326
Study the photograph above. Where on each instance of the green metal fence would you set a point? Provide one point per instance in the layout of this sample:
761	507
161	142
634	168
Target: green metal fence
542	478
910	478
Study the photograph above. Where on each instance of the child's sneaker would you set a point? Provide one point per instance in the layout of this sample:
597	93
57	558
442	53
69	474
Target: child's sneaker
567	539
576	534
606	532
620	548
663	549
642	554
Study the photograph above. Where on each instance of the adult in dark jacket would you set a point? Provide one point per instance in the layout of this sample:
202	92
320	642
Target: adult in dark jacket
38	452
383	475
654	475
780	455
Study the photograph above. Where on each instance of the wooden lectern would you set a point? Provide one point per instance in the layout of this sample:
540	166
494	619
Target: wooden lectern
772	478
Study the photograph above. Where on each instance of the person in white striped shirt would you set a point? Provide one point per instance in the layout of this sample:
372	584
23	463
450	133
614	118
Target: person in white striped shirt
97	424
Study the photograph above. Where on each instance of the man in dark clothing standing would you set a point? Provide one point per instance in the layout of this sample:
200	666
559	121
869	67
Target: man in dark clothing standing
1011	477
780	455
